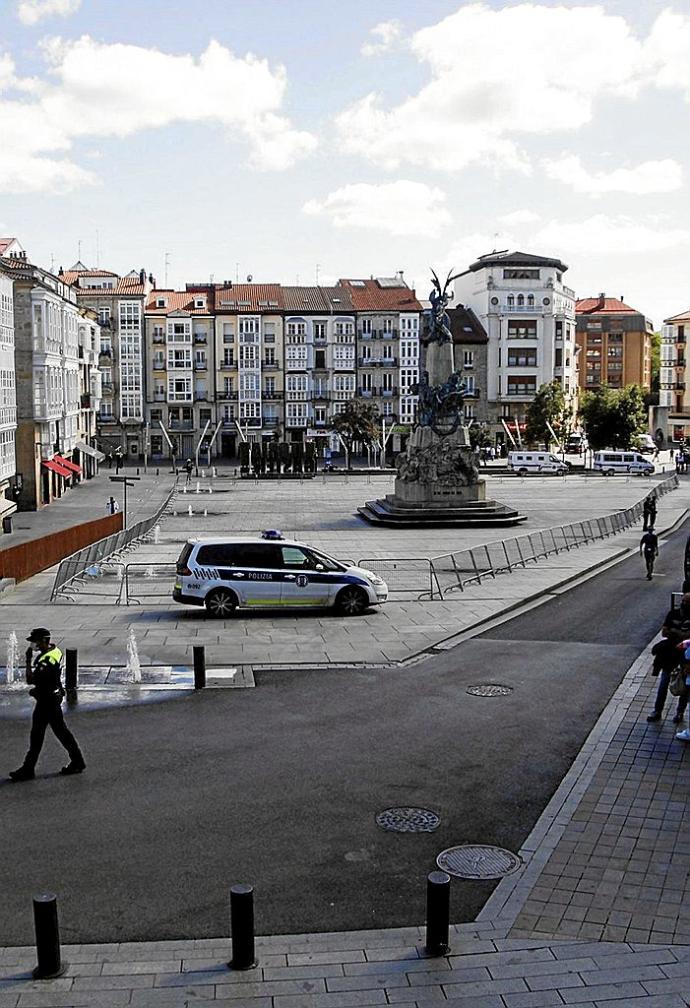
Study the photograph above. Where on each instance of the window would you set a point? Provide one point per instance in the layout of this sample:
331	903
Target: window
520	300
468	359
269	356
270	387
200	360
296	328
522	329
249	327
530	300
156	415
469	383
522	385
228	332
228	386
179	359
179	389
388	325
388	351
104	315
511	300
387	383
107	375
558	359
248	355
296	386
320	359
367	380
319	330
228	357
521	274
366	326
319	415
522	358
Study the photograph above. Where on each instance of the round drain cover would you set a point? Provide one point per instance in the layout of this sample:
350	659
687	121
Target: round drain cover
489	689
408	820
478	861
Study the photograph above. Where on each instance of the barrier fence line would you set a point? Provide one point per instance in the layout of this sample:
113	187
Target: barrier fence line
477	563
73	567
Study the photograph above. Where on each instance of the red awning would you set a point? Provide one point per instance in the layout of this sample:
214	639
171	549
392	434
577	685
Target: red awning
66	464
57	468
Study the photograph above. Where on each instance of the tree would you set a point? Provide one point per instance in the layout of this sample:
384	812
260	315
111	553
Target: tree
612	417
548	407
357	422
652	397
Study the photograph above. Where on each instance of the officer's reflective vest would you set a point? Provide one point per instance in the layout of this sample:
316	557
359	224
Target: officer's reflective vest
46	674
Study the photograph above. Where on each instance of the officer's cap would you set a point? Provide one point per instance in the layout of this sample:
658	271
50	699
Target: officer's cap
38	634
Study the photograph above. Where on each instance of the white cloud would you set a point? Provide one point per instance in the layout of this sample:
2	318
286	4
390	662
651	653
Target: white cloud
384	37
602	235
667	52
101	90
649	177
496	75
519	217
30	12
398	208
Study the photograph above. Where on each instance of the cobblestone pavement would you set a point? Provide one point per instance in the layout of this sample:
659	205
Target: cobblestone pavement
610	848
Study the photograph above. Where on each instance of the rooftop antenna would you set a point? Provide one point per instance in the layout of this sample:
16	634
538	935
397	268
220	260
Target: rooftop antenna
79	250
237	272
318	267
98	252
167	265
52	262
496	234
297	280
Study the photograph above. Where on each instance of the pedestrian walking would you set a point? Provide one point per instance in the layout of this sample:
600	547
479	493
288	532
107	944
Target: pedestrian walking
118	460
649	546
45	679
188	467
667	659
109	460
649	512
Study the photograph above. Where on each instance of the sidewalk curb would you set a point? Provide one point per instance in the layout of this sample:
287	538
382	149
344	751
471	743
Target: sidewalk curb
503	906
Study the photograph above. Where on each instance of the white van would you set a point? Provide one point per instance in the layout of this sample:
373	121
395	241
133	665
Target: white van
524	462
224	574
610	462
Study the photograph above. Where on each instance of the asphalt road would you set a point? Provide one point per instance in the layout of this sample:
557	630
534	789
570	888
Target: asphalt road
279	786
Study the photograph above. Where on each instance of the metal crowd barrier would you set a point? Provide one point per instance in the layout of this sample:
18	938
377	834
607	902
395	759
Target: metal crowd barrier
451	571
72	572
145	582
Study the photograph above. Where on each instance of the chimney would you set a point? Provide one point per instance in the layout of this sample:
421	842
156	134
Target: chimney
602	301
622	297
151	280
142	275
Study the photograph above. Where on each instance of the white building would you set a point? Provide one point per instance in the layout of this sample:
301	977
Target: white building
8	399
529	317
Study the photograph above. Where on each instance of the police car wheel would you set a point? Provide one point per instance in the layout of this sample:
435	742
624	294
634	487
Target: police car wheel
352	602
220	603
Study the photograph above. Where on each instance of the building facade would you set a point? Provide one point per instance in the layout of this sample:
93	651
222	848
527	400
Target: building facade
529	317
8	397
615	344
470	347
119	304
672	416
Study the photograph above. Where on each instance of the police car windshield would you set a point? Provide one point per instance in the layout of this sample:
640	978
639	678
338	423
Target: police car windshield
326	561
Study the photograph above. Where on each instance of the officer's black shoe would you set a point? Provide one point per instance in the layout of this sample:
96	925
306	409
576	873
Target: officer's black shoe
21	774
73	768
654	716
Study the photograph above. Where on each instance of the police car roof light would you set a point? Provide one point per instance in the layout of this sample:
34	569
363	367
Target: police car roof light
271	534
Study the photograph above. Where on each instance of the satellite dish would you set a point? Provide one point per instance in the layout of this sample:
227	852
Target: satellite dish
249	278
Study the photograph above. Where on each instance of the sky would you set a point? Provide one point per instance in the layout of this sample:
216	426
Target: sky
298	141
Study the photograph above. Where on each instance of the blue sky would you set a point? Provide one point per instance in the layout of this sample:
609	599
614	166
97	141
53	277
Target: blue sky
278	137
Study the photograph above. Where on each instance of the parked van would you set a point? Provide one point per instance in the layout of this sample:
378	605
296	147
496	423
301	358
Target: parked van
610	462
645	443
524	462
575	444
224	574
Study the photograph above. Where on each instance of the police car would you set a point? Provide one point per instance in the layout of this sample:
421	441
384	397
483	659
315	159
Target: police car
266	572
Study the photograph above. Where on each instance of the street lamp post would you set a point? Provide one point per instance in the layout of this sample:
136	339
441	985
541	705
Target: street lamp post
125	480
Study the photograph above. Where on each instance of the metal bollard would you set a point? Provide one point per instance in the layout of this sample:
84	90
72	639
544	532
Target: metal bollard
47	938
158	472
199	667
242	927
71	668
437	913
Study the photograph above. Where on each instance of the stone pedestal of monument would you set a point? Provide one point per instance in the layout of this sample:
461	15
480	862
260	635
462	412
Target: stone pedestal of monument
438	484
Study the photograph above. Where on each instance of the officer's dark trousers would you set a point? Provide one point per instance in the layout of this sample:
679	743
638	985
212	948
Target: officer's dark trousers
48	713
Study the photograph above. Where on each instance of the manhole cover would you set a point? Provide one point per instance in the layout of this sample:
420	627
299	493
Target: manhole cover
478	861
489	689
408	820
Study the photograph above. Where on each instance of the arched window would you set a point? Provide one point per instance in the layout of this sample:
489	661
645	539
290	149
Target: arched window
521	300
511	300
530	300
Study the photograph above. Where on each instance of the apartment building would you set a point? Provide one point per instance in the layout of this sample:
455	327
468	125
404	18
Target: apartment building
46	324
179	370
119	303
470	352
87	452
672	415
529	317
8	398
388	316
615	343
249	364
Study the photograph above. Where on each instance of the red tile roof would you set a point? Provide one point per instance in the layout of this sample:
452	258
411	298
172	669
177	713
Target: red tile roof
603	306
249	298
177	301
304	299
683	317
370	295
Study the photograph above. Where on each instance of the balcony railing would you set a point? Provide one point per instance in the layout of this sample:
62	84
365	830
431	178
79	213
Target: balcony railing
181	425
272	395
226	396
198	338
274	365
227	365
271	421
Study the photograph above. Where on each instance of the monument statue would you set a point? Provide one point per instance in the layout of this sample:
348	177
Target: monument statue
438	482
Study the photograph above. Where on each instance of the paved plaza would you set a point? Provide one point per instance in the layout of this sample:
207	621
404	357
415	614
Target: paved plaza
596	916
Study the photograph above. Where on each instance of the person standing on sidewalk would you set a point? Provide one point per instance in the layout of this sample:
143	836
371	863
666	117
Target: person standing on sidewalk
45	678
667	658
649	545
649	512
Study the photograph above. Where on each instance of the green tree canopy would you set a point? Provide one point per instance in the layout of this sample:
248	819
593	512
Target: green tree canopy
548	407
357	422
612	417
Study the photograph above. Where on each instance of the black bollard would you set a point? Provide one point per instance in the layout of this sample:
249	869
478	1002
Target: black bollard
437	913
71	668
47	938
199	667
242	927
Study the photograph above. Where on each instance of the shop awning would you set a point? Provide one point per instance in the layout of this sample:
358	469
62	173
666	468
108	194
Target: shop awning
88	450
56	468
67	464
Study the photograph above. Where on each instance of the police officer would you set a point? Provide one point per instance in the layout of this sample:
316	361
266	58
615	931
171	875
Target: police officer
649	543
48	693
